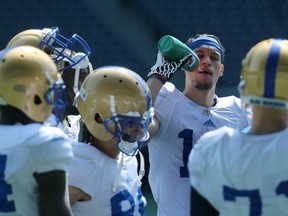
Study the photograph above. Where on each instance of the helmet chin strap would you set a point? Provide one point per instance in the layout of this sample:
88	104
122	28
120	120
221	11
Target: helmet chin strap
75	101
124	146
116	181
128	148
76	80
84	63
121	165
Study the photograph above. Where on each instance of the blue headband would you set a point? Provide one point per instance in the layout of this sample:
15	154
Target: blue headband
207	41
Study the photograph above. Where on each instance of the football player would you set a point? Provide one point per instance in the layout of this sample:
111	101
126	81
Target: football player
71	58
33	157
182	117
115	107
246	173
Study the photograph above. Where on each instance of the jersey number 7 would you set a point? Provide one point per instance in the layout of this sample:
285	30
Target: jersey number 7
230	194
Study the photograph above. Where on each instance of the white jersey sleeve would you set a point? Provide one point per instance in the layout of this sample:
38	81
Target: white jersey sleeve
241	174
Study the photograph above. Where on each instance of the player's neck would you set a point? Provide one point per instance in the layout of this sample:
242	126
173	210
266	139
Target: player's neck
10	115
204	98
107	147
267	120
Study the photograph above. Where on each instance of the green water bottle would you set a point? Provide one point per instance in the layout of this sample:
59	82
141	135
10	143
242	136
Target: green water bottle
174	50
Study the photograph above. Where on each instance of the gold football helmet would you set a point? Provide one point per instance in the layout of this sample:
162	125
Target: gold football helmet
29	81
264	76
120	98
56	45
66	53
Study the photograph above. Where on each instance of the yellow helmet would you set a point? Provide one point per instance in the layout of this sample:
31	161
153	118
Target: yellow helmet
30	82
120	97
56	45
264	76
31	37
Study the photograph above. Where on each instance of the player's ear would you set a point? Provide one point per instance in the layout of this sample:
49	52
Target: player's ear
221	70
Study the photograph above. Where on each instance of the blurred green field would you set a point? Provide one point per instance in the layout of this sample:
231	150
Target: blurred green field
151	208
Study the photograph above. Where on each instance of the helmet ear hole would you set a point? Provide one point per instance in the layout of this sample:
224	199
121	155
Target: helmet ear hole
98	118
37	100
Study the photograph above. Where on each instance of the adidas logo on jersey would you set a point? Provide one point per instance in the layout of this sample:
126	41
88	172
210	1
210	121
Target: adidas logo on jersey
209	123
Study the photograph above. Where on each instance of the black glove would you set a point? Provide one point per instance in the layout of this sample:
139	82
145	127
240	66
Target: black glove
165	68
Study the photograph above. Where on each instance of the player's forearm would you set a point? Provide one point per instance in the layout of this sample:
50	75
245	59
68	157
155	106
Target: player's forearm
154	85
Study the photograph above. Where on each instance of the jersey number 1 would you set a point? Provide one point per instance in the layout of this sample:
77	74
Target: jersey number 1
187	135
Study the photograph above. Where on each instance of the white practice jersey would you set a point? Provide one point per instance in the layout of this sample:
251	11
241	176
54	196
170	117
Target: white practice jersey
182	123
242	174
25	150
94	173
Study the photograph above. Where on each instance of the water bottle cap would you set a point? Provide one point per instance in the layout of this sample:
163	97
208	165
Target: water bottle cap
166	43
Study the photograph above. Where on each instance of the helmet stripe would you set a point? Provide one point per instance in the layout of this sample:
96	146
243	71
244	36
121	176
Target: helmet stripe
271	68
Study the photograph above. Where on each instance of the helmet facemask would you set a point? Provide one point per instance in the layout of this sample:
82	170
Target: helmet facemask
136	125
56	44
56	96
